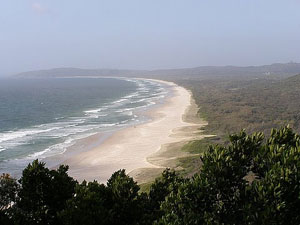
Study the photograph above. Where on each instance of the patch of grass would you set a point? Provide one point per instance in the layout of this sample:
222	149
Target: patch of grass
145	187
203	115
190	165
200	146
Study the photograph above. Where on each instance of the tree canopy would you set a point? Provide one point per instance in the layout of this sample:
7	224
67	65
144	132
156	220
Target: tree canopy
251	180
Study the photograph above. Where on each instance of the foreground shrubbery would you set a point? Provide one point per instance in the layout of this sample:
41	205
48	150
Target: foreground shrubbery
250	181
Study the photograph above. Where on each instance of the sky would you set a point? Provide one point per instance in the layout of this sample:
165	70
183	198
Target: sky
146	34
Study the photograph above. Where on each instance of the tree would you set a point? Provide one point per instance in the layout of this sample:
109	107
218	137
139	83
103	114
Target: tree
159	190
217	194
8	195
276	192
89	206
43	193
116	203
222	194
126	205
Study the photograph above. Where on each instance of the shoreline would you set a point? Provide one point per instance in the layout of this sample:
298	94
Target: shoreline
134	148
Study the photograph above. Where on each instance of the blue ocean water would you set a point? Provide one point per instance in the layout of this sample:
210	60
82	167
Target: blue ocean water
43	117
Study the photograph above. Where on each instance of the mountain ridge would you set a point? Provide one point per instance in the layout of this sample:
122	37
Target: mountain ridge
283	69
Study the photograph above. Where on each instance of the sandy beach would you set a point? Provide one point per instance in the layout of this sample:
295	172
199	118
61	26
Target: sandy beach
131	147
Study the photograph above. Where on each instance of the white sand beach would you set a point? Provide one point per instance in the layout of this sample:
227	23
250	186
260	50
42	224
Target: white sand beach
129	148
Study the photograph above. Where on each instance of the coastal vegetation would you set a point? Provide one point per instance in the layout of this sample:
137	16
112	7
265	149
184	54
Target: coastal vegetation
250	180
256	104
229	103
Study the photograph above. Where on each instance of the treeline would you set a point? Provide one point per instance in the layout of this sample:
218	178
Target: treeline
252	180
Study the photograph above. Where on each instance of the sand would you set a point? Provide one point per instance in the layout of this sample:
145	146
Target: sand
134	148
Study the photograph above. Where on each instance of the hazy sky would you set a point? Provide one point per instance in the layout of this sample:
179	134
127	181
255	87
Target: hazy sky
146	34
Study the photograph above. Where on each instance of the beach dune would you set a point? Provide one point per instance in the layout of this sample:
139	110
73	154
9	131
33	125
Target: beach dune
129	148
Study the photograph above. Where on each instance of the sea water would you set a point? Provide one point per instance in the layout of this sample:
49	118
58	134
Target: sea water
40	118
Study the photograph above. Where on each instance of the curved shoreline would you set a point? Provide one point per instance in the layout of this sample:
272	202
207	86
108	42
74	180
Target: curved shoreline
130	148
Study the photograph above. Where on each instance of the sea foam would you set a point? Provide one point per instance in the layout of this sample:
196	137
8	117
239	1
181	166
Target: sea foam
66	130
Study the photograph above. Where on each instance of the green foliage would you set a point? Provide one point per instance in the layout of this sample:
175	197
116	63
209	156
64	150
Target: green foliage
8	191
249	181
217	194
277	190
257	104
221	193
90	205
159	190
125	199
8	196
43	193
116	203
192	162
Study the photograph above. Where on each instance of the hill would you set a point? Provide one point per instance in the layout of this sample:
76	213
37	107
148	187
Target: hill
202	72
75	72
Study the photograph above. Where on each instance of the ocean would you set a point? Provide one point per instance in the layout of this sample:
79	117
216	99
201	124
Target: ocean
40	118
